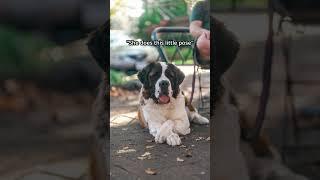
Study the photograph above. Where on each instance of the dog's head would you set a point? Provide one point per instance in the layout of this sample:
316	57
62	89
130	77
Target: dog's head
161	81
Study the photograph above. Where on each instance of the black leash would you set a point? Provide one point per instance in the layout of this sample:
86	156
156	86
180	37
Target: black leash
253	134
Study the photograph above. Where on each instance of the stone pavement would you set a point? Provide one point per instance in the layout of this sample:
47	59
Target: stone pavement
67	170
46	141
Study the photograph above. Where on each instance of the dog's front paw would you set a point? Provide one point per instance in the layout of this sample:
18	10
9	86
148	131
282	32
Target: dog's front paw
173	139
160	138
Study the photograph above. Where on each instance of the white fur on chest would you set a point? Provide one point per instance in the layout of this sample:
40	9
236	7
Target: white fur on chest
162	112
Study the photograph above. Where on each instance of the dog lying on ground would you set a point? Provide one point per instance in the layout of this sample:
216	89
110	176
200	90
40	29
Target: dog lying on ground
163	107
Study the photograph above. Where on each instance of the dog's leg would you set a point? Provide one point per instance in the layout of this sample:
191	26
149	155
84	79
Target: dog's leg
193	114
170	131
166	134
195	117
154	128
153	120
181	127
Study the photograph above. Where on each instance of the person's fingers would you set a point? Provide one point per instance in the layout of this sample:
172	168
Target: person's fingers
207	34
203	43
202	37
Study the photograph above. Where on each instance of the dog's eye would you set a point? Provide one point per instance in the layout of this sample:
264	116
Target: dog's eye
154	74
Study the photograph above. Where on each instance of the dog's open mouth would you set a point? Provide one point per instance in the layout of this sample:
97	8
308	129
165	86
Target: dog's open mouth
163	99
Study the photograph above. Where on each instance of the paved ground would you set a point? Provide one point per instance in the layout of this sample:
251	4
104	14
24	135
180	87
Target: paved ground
133	149
49	140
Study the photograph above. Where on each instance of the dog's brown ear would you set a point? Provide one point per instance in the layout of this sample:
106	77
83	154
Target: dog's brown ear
98	43
142	75
179	75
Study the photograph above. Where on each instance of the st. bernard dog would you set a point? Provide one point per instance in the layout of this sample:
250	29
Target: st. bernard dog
163	107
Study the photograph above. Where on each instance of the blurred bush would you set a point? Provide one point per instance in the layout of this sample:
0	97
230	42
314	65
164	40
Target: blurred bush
157	11
117	77
20	53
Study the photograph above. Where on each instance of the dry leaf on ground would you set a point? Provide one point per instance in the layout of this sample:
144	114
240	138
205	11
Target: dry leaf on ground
125	150
179	159
200	138
148	147
150	171
142	158
188	154
146	154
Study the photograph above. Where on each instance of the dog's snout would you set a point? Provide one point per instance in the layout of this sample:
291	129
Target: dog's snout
164	84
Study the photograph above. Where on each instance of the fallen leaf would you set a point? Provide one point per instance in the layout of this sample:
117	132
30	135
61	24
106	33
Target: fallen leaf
202	173
188	154
150	171
148	147
192	145
150	140
179	159
125	150
199	138
208	139
146	154
142	158
183	146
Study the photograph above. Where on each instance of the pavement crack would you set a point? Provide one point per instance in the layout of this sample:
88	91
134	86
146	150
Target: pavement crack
120	167
58	175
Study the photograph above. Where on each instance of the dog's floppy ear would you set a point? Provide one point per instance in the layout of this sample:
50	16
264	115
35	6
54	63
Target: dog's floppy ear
97	45
143	74
179	75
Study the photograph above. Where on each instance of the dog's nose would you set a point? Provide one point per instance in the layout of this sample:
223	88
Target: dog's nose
164	84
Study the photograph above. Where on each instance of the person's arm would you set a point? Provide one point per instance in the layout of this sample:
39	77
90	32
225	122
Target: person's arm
196	21
196	29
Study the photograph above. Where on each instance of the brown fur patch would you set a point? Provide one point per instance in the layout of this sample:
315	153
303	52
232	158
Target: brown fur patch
188	105
141	119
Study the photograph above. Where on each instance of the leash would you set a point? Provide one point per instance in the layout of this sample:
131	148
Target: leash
253	134
193	82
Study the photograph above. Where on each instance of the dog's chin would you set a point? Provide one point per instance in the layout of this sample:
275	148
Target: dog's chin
163	99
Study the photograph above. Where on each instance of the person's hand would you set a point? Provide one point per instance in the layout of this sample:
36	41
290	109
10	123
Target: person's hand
206	34
203	44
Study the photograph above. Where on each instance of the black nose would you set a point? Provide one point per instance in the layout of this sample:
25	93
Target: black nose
164	84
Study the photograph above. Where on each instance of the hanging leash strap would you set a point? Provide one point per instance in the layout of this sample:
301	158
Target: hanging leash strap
193	83
253	134
195	63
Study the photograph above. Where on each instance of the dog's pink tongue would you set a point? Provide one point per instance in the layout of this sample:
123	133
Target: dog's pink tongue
164	99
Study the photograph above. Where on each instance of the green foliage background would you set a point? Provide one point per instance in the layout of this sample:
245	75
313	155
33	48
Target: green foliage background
155	11
20	53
